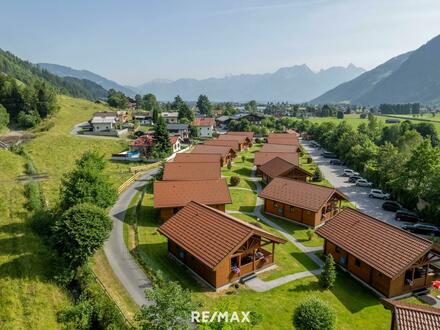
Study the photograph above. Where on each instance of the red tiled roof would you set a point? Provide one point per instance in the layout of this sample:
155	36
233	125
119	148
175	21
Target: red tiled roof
263	157
238	138
299	193
384	247
191	171
203	122
224	143
197	158
205	149
278	166
413	317
279	148
208	234
249	135
180	193
286	141
143	141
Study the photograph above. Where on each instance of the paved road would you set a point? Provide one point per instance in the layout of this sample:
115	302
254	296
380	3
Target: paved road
122	262
357	195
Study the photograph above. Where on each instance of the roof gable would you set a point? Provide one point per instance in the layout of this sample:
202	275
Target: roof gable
263	157
279	166
413	317
384	247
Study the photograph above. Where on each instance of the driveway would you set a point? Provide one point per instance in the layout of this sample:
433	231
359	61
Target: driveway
122	262
357	195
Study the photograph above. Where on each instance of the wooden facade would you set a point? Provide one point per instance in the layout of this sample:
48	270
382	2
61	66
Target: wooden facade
298	214
417	276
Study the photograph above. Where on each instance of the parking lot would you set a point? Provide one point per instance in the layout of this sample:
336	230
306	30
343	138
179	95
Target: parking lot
357	195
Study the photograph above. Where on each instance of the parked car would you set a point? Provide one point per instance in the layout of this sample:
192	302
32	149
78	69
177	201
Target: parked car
315	144
404	215
392	206
336	162
377	193
363	183
348	172
423	229
354	178
327	154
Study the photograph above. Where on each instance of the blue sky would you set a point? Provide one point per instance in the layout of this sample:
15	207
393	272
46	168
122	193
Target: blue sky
135	41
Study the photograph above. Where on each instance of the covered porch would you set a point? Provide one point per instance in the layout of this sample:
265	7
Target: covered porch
423	273
332	207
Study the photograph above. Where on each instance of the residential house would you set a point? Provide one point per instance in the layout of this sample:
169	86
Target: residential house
181	130
143	144
143	117
171	196
291	134
243	141
306	203
197	158
103	124
390	260
176	143
253	118
249	135
122	116
407	316
283	141
224	143
226	153
262	158
204	127
170	117
174	171
223	121
217	247
280	148
279	167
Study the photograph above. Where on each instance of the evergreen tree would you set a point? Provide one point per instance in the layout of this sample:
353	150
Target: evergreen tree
117	99
328	276
162	144
45	100
204	105
4	117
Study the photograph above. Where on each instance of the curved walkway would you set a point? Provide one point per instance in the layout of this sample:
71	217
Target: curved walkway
121	261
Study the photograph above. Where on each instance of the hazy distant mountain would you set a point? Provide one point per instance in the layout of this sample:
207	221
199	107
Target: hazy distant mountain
293	84
407	78
64	71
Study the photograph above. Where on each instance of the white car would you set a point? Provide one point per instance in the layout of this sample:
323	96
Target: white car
348	172
377	193
363	183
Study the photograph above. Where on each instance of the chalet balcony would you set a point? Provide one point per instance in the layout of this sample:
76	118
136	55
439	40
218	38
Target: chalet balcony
248	264
421	277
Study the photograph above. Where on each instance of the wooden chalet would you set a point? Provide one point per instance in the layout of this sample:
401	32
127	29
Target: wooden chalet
242	140
280	148
216	247
307	203
392	261
249	135
171	196
262	158
224	143
285	141
292	135
174	171
407	316
197	158
226	153
279	167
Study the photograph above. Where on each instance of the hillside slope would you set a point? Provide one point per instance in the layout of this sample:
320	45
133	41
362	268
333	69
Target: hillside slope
64	71
28	72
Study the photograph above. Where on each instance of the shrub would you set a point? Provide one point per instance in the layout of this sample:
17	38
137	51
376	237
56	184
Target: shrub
34	197
328	276
310	233
234	180
363	115
340	115
314	314
317	176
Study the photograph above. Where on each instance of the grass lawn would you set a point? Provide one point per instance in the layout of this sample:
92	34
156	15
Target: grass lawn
28	297
56	150
355	306
242	200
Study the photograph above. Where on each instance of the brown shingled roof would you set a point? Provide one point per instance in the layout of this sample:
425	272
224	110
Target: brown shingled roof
203	122
225	143
206	149
286	141
263	157
279	148
209	234
413	317
384	247
180	193
278	166
299	193
283	136
191	171
238	138
249	135
194	157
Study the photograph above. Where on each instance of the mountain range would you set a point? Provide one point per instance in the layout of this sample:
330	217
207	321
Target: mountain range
408	78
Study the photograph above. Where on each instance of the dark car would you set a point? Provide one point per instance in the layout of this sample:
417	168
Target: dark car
422	229
336	162
354	178
408	216
392	206
327	154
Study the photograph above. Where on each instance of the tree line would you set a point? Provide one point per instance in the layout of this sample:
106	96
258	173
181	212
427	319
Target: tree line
400	109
